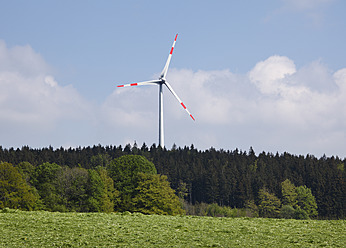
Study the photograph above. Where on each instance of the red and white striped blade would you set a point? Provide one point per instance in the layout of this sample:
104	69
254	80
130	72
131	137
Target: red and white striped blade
140	83
165	69
177	97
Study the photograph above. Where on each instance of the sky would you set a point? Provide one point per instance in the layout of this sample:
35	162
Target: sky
270	74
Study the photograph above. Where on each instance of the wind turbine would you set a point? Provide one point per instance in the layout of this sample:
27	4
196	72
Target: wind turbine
162	81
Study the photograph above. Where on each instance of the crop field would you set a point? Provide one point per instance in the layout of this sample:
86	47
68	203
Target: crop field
46	229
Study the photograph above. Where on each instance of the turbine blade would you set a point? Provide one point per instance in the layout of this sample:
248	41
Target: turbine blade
140	83
165	69
177	97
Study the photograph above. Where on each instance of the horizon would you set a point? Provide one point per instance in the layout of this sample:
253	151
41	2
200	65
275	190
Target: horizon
175	147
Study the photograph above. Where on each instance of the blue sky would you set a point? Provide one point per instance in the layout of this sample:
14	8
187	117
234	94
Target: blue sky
267	74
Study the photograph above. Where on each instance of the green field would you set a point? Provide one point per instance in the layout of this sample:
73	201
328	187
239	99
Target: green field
46	229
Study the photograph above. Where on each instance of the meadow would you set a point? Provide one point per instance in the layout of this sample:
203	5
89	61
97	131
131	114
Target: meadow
53	229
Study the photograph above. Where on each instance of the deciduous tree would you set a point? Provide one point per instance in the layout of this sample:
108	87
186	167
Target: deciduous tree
306	201
289	193
154	195
110	196
14	191
124	172
269	204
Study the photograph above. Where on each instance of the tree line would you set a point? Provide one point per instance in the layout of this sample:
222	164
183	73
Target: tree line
127	183
235	179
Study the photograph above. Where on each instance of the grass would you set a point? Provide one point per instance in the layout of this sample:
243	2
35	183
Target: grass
46	229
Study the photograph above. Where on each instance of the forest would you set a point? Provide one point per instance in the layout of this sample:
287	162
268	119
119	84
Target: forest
231	179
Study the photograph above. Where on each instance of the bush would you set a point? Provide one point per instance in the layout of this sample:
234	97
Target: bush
214	210
287	212
300	214
251	209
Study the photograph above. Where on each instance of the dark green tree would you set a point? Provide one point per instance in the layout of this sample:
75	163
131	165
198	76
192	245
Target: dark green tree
124	172
71	186
27	170
44	173
44	178
182	190
100	160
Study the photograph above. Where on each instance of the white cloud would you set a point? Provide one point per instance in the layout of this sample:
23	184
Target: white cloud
267	75
22	59
50	81
130	107
284	108
300	110
30	98
340	80
207	90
